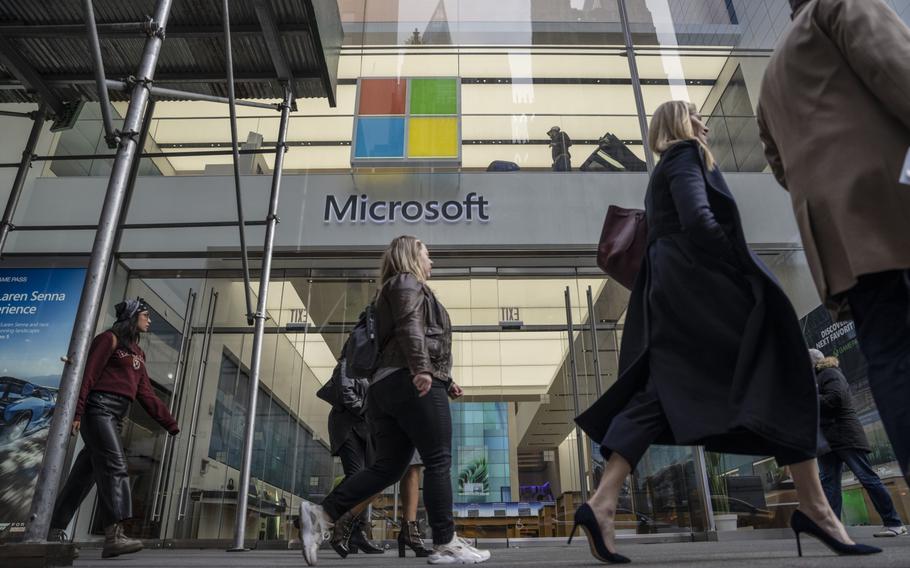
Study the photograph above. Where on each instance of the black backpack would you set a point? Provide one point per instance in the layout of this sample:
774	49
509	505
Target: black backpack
363	347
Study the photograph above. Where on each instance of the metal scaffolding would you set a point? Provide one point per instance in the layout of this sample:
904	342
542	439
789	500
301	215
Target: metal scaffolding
129	141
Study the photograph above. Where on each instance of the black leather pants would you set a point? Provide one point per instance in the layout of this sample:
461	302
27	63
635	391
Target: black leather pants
101	462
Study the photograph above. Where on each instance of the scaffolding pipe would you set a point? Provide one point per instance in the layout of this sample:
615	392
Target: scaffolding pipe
592	322
194	153
232	106
243	488
579	437
17	114
162	92
134	172
197	399
636	82
92	292
110	136
25	164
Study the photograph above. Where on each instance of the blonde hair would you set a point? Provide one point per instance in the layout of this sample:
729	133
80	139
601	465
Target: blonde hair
402	256
827	363
672	123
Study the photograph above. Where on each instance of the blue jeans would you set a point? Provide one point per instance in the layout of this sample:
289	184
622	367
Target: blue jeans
830	466
881	310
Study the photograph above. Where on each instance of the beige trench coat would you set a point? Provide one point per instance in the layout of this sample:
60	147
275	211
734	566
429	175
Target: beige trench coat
834	115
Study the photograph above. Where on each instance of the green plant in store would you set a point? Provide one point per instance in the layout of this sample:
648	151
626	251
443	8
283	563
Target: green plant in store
719	498
474	478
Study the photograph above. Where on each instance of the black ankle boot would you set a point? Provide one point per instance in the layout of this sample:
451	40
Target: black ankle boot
409	537
341	534
360	540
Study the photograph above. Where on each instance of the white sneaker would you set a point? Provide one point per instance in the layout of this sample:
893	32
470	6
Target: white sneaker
892	531
459	551
314	530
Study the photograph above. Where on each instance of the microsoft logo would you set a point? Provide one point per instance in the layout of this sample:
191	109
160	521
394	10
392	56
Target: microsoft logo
407	122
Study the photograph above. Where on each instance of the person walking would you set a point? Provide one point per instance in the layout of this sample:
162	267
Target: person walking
834	117
115	375
847	445
350	440
407	408
712	353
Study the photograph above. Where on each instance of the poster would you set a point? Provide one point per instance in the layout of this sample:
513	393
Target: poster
37	310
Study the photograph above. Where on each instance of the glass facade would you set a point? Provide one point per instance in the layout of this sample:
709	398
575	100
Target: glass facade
444	106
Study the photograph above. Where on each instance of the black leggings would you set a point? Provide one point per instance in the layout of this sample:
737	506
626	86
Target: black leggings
101	462
400	421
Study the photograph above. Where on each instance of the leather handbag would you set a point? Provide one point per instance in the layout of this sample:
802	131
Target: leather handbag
623	242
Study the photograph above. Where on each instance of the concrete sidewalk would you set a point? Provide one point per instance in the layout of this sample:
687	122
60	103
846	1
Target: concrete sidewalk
751	553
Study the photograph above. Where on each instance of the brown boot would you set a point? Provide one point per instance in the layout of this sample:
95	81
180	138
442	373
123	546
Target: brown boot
117	543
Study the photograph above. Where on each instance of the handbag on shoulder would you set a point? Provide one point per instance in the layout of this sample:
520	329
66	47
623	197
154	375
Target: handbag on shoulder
623	242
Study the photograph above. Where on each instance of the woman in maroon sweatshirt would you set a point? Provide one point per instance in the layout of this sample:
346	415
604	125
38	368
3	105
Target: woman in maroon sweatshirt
115	375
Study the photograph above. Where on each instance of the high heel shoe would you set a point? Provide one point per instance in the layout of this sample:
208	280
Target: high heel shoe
409	537
800	523
584	518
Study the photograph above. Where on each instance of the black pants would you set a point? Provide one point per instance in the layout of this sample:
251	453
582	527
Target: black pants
355	454
400	421
101	462
643	420
830	466
881	310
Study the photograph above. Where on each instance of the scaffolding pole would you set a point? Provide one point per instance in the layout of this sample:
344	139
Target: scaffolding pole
93	290
163	93
110	135
28	156
232	100
260	316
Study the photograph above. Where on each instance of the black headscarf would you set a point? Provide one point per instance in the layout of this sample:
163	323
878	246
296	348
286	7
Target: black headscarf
126	310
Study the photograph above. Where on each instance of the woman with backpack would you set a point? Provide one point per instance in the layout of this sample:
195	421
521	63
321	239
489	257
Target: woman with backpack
407	407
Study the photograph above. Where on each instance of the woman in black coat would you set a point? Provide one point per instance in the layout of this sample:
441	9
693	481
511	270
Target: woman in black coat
712	352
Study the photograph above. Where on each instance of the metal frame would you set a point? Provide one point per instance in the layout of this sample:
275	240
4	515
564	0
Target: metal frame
592	329
28	156
186	339
232	106
259	330
93	290
267	21
110	135
579	435
636	82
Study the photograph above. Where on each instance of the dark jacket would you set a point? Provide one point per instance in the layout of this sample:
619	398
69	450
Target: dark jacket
839	424
709	325
121	370
348	412
414	328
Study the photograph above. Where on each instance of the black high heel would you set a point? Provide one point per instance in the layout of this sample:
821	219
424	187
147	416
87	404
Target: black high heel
584	518
800	523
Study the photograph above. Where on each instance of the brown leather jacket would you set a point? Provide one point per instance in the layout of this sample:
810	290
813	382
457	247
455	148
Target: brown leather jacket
414	328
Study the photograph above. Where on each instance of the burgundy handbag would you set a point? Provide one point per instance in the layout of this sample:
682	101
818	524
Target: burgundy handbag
623	242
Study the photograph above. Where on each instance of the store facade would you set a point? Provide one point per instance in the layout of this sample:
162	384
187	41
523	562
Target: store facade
537	325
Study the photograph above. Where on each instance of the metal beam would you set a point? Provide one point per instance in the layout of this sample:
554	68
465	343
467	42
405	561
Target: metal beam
243	487
98	65
186	95
72	79
92	291
636	82
266	16
232	107
28	156
130	29
21	70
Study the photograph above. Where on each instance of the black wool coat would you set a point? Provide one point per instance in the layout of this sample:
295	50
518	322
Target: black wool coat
839	424
347	417
708	323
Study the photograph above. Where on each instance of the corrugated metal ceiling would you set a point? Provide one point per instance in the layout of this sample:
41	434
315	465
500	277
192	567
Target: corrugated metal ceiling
192	55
